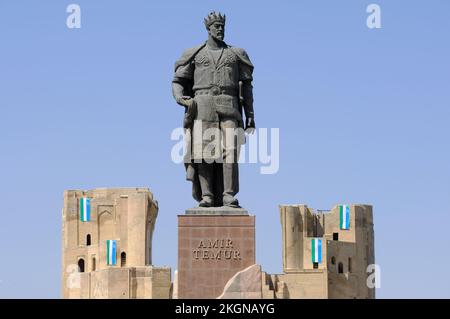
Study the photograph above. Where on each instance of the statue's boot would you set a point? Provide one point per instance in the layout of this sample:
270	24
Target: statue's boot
230	201
207	201
205	175
230	184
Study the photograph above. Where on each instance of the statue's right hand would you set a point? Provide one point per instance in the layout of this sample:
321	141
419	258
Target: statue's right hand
183	100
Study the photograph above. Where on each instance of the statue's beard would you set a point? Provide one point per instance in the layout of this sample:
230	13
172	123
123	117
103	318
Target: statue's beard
219	37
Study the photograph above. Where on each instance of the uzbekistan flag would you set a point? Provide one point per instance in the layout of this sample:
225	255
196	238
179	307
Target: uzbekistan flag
85	209
344	216
111	252
316	250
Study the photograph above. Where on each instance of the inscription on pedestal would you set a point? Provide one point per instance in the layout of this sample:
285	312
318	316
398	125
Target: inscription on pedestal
216	249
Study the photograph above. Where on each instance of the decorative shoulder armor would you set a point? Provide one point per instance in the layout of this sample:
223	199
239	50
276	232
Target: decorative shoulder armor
188	55
242	56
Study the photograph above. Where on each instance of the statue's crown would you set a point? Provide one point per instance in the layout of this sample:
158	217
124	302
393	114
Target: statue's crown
214	17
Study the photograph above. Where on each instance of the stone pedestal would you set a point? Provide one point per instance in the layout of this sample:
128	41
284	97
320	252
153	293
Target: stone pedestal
213	245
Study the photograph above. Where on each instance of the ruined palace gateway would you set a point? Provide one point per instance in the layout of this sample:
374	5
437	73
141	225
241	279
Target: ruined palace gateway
106	245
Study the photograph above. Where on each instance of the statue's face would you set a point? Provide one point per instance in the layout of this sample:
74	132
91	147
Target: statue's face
217	31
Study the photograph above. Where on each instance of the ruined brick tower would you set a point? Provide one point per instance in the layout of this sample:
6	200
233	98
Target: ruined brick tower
325	254
106	245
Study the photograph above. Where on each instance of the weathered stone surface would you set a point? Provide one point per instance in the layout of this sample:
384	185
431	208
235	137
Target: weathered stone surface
246	284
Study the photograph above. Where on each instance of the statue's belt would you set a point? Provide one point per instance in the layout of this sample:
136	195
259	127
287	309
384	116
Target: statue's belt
215	90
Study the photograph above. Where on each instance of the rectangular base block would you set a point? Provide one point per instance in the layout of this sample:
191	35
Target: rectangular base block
211	250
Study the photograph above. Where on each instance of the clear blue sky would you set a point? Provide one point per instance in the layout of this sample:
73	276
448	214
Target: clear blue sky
363	117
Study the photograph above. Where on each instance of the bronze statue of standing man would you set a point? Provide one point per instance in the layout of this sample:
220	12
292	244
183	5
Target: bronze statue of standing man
213	81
